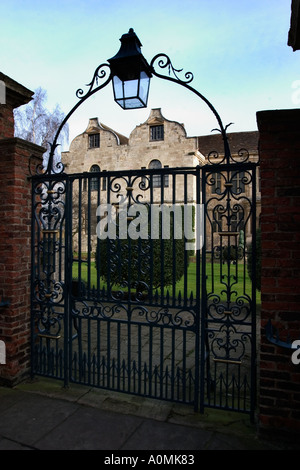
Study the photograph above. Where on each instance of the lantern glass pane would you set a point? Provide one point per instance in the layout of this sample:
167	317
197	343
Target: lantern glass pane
144	87
132	94
118	87
131	88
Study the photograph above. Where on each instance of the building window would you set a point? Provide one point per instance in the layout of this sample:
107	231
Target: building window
216	183
95	181
156	179
238	182
237	221
94	141
217	222
143	178
157	132
166	178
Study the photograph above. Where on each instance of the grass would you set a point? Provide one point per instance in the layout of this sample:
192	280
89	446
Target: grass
219	279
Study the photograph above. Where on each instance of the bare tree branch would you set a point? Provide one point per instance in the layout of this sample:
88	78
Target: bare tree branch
35	123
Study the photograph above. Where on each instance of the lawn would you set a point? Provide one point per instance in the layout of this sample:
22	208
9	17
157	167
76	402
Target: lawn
218	279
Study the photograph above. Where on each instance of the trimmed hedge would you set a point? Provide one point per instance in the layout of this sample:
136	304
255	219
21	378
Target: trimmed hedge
142	263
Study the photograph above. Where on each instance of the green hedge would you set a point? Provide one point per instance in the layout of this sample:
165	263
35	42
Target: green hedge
128	261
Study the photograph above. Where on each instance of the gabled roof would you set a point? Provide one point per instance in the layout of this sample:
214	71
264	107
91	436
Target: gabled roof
94	126
123	140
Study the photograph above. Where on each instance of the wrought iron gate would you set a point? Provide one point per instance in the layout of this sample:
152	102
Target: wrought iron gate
130	306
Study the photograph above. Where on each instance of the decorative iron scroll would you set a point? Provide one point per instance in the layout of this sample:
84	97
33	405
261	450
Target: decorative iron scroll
110	322
163	316
230	294
48	292
99	74
103	74
49	203
130	311
163	61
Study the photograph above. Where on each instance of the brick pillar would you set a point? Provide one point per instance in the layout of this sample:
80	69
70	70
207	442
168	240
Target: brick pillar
15	239
279	394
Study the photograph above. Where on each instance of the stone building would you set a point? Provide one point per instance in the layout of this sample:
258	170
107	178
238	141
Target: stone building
156	143
156	140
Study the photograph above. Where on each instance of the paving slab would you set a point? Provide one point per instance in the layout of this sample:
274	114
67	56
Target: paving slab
6	444
32	416
44	415
90	429
155	435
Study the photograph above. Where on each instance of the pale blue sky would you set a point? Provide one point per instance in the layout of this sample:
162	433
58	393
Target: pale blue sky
236	49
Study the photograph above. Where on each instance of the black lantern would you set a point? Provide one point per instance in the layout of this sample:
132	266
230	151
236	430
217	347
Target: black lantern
131	73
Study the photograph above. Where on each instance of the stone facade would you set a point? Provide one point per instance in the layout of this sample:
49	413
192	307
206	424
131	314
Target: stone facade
164	143
116	152
158	141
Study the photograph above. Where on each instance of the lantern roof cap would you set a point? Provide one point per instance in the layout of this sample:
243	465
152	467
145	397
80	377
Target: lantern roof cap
130	46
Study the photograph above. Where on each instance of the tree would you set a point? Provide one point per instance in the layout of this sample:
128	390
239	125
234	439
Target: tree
149	264
35	123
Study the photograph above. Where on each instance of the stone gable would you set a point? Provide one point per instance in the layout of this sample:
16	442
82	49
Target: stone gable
116	152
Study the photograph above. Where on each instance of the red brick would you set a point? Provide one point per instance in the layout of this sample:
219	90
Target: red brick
15	190
280	183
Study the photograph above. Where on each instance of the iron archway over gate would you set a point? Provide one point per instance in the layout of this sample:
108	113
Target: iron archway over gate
99	315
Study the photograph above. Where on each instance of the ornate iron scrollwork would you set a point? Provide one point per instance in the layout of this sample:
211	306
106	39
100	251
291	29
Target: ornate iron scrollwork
99	74
103	74
164	61
127	309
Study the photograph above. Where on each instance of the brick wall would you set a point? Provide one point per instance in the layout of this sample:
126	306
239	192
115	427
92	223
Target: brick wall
15	235
279	148
6	121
